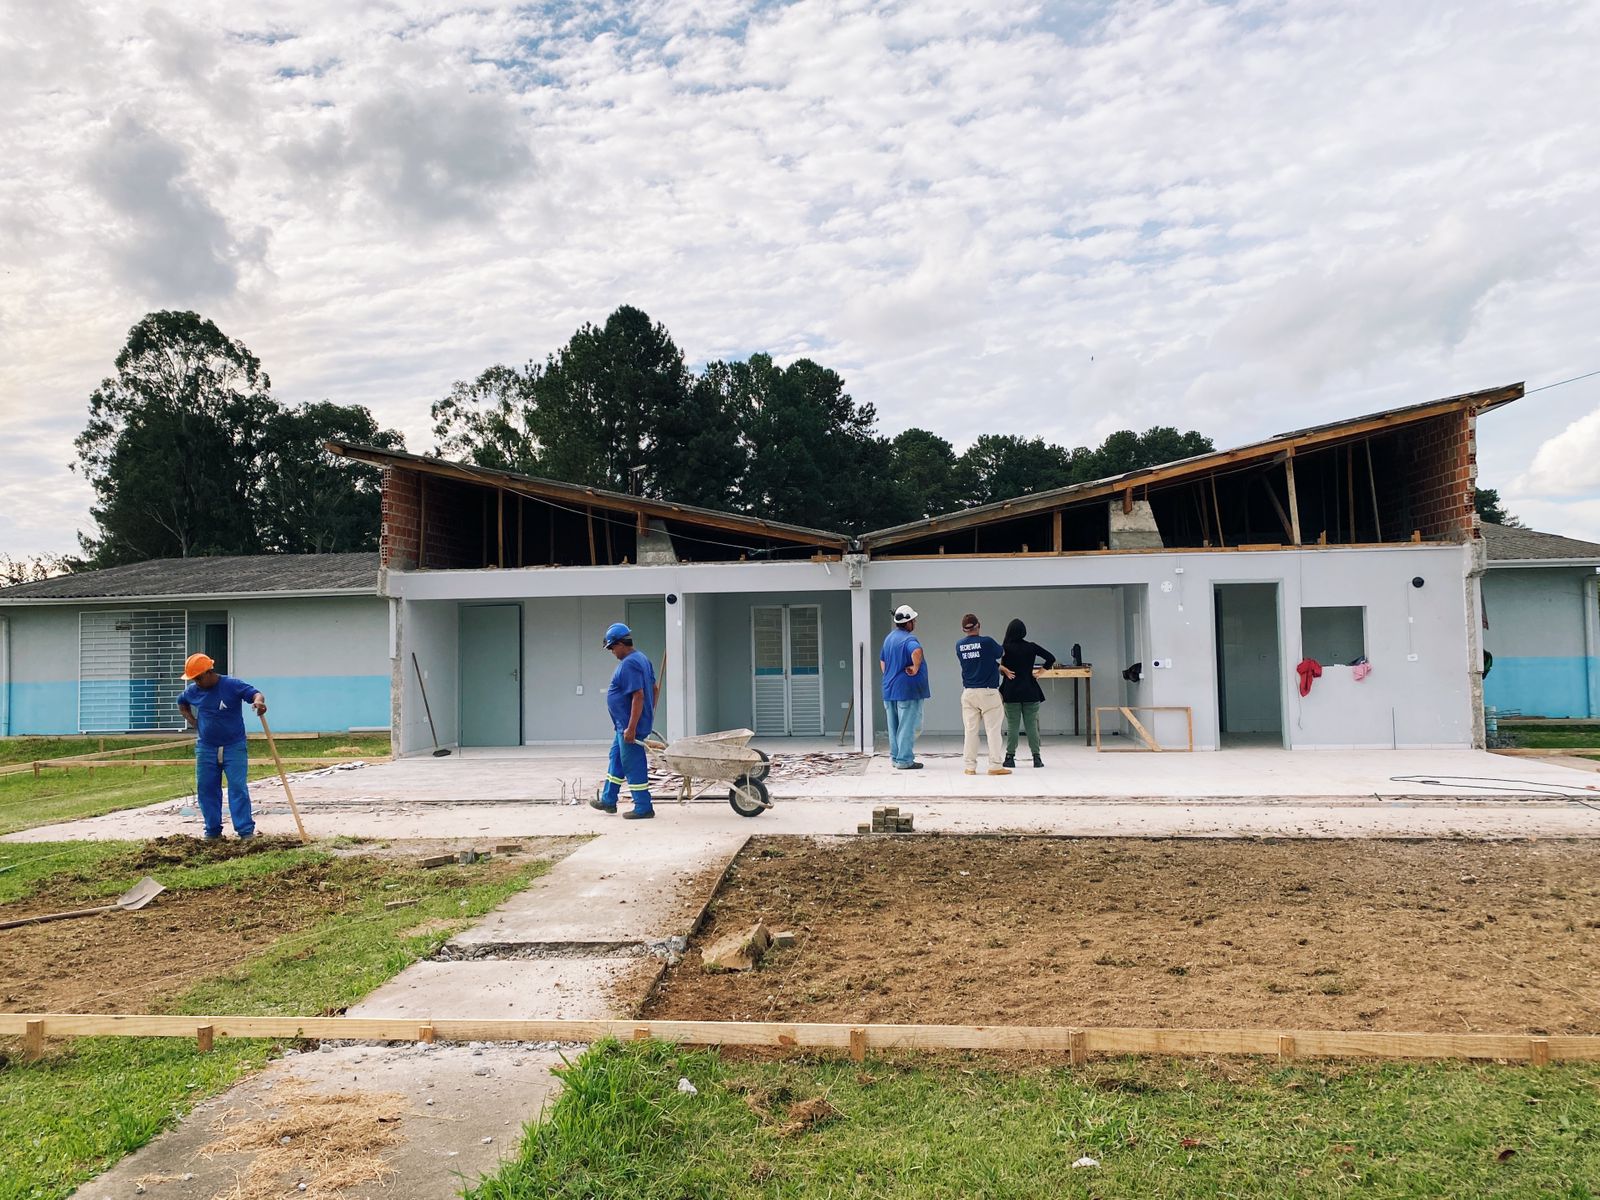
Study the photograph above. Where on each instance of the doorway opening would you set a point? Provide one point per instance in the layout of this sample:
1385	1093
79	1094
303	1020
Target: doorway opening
1249	668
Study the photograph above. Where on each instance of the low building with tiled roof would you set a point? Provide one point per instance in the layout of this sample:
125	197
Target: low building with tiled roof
1541	601
102	651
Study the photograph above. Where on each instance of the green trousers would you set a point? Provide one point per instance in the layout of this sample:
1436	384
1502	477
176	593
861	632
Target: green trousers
1018	715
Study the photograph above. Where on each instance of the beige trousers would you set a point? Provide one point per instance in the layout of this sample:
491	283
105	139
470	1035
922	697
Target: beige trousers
982	706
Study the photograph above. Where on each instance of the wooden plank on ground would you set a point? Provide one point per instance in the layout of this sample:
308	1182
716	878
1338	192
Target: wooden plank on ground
1043	1038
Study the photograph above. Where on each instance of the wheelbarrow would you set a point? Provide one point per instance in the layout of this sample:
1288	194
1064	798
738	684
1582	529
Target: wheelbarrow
708	760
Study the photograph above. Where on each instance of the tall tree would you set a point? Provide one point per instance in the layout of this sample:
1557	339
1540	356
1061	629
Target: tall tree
490	420
172	443
599	399
1490	508
928	475
815	459
699	450
999	466
312	502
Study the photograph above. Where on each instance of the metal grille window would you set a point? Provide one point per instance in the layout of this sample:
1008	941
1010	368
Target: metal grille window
130	670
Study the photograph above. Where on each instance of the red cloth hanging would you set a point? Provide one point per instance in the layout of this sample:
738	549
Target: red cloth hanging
1309	669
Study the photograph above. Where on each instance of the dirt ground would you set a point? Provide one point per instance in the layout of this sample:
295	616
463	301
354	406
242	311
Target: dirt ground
1426	936
131	961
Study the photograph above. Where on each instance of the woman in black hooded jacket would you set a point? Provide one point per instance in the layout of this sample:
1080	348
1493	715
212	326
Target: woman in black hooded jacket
1020	692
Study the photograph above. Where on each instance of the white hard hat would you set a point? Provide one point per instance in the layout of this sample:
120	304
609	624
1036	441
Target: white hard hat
904	613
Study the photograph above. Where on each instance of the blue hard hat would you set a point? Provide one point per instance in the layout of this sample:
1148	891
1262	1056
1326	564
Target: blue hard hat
617	633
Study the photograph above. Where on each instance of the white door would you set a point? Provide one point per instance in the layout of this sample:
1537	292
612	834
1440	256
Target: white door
786	658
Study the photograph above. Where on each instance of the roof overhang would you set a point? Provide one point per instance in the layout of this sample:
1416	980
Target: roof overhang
570	493
1592	564
1283	444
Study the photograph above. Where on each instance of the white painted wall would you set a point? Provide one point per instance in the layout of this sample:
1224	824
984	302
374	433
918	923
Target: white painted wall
1421	702
431	630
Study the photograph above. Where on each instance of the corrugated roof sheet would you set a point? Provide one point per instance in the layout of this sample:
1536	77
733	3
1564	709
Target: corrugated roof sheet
234	575
1507	544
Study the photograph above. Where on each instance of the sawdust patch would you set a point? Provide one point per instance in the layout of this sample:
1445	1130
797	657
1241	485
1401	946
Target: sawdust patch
328	1142
1432	936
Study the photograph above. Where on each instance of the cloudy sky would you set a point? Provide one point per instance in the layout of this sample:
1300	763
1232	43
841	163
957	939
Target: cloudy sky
1062	217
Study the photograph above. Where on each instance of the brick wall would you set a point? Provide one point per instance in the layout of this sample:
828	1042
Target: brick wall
398	543
1438	473
454	513
456	523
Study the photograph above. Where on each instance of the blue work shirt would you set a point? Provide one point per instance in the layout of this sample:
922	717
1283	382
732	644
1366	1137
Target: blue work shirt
896	656
220	709
980	661
633	674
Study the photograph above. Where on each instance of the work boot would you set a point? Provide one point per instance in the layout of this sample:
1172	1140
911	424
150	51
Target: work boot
1011	761
1037	761
972	770
999	770
605	808
638	814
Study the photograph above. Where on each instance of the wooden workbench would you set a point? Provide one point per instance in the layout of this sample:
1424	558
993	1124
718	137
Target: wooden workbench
1085	673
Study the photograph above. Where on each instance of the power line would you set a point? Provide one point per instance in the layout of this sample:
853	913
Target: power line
1560	383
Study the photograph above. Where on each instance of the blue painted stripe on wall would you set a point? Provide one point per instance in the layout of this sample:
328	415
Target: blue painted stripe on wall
300	704
42	708
1541	687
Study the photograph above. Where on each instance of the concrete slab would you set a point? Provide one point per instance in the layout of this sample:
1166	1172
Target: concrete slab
525	989
480	1099
635	885
1238	816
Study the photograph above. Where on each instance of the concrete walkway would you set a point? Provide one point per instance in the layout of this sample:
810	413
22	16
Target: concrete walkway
577	944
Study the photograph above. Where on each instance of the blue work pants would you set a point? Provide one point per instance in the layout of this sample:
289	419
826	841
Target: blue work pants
628	766
208	774
905	722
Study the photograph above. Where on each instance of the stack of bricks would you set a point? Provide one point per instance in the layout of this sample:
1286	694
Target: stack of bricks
887	820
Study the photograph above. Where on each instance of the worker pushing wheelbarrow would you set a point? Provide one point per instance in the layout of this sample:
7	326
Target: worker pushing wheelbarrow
707	760
701	762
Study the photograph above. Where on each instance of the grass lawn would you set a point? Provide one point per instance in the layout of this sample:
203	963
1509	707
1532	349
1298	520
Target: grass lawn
953	1127
66	794
93	1100
1552	737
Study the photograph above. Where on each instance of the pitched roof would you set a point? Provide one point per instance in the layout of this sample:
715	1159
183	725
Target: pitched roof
579	494
1506	543
1317	435
234	576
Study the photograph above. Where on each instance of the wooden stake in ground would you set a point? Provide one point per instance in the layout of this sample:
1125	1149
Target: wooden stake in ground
284	777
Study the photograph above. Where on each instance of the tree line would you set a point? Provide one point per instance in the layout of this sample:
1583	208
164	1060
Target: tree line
617	407
189	454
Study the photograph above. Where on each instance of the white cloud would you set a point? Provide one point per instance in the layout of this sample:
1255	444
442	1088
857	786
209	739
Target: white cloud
1568	464
1058	219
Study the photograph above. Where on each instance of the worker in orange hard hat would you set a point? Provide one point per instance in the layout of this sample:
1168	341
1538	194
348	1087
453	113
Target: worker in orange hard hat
213	704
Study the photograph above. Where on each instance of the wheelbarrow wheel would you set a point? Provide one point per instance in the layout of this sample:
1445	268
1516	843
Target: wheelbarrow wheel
760	771
749	797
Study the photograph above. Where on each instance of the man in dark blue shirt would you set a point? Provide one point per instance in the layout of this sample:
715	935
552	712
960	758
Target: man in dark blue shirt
214	705
631	704
979	657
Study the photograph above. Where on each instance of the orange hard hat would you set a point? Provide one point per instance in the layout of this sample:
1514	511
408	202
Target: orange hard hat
197	665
